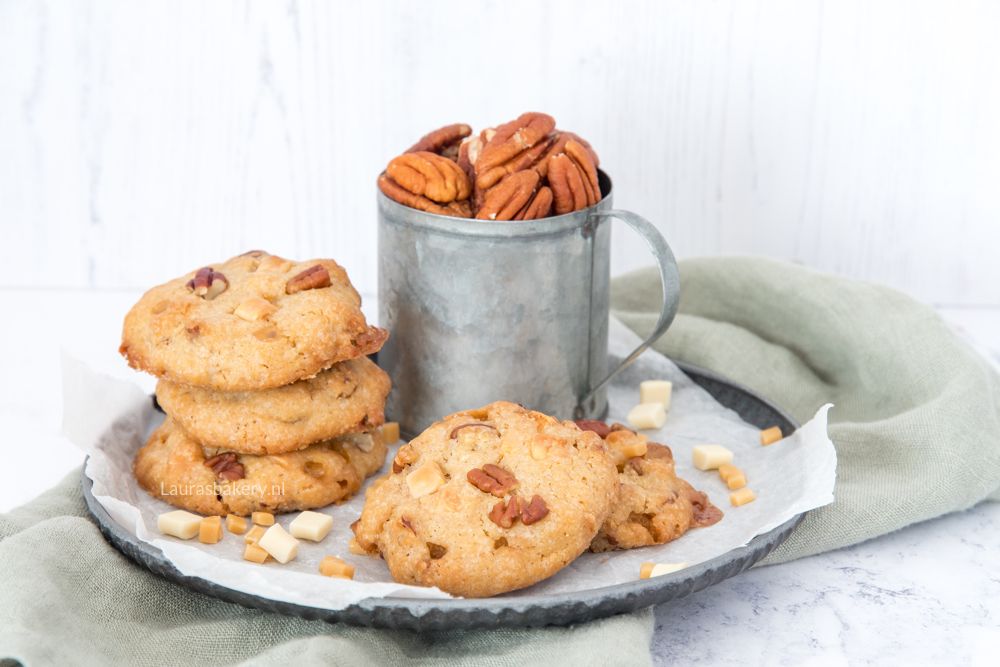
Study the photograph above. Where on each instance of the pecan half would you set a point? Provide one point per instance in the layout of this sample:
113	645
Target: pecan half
511	138
454	431
208	283
598	427
534	511
492	479
226	466
539	207
505	515
405	455
314	277
588	170
566	180
442	139
506	198
395	192
558	145
526	159
430	175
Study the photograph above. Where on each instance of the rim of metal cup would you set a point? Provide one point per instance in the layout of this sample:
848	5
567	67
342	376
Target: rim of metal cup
446	224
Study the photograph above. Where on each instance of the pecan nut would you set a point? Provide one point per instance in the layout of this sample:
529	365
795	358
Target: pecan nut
526	159
226	466
430	175
534	511
454	431
405	456
395	192
208	283
598	427
442	140
511	138
587	168
492	479
504	515
315	277
505	199
539	207
558	145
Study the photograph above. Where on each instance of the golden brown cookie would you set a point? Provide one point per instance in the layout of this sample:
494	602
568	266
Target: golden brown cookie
253	322
346	398
488	501
654	505
176	469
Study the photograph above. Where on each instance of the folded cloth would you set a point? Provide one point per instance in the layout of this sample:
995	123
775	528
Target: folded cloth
68	598
916	421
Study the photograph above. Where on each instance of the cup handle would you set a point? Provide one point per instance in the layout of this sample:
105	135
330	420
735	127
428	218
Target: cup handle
670	279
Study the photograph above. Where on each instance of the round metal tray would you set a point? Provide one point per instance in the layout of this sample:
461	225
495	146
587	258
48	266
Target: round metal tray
522	611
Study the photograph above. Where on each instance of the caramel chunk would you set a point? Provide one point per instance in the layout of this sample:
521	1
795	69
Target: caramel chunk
210	530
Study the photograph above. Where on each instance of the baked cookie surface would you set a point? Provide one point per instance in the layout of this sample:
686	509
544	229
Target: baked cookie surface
253	322
346	398
654	505
488	501
175	468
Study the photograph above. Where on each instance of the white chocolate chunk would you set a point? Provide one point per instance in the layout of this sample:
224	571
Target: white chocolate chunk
311	526
710	457
425	479
277	542
179	524
656	391
648	570
647	415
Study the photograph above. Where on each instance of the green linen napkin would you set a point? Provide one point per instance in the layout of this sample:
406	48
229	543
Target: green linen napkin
916	426
916	421
68	598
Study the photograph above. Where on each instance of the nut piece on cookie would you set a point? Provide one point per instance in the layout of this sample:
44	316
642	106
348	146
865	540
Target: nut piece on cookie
492	479
315	277
208	283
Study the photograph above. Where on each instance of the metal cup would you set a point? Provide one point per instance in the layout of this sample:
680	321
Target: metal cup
480	311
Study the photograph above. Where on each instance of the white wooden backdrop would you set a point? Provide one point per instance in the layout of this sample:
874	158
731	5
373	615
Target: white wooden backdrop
140	139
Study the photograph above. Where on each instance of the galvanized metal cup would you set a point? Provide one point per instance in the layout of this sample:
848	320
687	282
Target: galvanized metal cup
480	311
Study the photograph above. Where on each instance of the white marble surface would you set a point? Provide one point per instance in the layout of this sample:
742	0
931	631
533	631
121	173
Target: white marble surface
929	594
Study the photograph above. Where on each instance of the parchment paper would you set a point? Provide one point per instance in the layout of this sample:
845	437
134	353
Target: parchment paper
109	419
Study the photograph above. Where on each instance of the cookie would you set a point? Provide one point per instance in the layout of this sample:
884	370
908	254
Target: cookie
654	505
178	470
488	501
253	322
346	398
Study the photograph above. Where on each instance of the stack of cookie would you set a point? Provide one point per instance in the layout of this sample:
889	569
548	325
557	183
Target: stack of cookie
271	401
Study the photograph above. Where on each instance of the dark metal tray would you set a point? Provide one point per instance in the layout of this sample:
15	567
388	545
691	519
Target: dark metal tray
524	610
